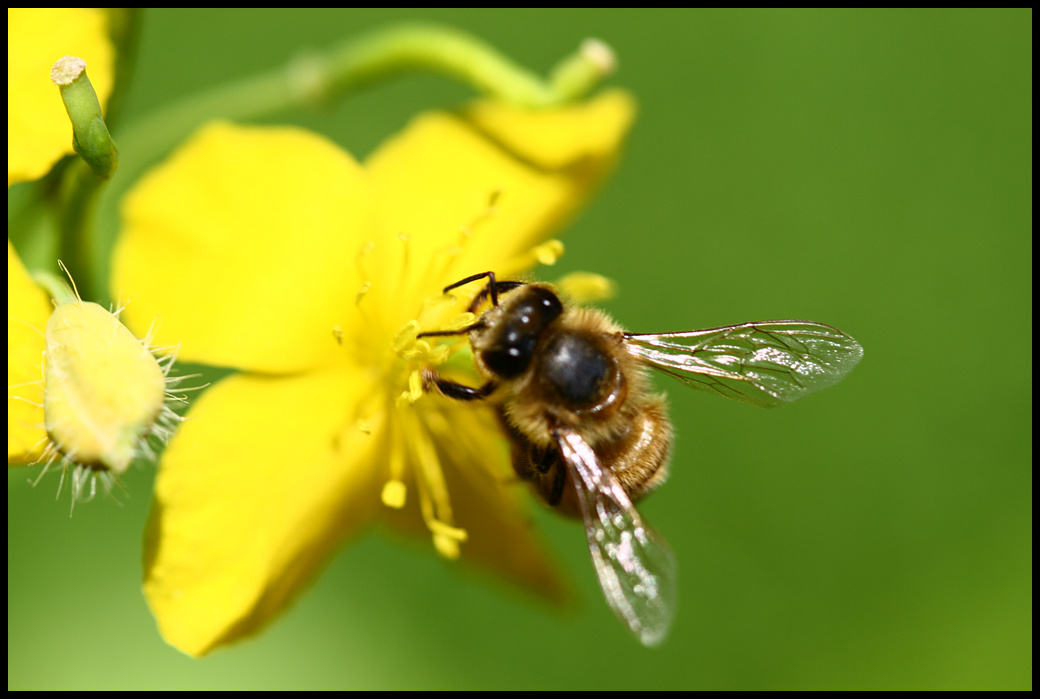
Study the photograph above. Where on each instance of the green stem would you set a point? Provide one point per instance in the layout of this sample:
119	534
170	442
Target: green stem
451	52
99	157
315	78
90	137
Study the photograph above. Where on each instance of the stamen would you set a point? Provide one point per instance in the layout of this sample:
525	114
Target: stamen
365	288
394	494
394	490
548	252
439	264
446	540
488	213
359	261
414	391
462	320
364	251
405	337
585	287
434	502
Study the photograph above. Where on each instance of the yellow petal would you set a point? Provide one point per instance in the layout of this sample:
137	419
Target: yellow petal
28	308
38	129
468	204
261	484
242	244
590	131
488	502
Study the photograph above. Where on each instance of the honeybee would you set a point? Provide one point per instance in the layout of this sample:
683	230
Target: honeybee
591	437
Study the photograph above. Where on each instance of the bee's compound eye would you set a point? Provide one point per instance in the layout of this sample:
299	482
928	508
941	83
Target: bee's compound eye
508	362
517	333
538	308
576	368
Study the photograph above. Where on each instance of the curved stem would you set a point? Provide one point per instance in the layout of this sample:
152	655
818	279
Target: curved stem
320	77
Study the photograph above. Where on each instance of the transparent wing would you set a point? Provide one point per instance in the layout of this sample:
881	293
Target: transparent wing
767	363
636	569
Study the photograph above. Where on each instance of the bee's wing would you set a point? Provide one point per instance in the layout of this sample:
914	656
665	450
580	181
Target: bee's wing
636	569
767	363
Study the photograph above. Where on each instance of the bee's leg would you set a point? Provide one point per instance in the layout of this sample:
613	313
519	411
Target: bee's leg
546	462
559	476
456	391
450	333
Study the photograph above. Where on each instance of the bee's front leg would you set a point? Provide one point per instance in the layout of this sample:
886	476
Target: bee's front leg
432	381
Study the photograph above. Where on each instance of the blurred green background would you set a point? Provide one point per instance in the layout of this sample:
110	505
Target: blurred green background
868	169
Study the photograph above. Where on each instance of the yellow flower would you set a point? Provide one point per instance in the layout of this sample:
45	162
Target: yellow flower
272	251
28	310
38	131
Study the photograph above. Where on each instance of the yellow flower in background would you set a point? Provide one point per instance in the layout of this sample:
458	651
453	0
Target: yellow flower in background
28	309
271	251
38	131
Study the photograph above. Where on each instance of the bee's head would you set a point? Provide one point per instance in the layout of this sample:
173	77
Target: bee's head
507	335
